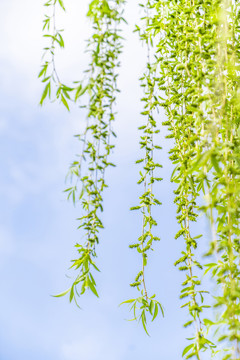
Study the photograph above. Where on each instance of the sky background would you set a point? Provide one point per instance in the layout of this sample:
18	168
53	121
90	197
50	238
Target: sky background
38	226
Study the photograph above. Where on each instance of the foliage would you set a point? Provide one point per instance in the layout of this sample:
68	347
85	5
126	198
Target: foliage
192	71
181	87
48	73
104	47
147	177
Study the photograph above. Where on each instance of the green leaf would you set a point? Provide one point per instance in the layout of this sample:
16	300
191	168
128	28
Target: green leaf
71	294
43	71
187	349
151	307
188	323
161	308
61	4
64	101
80	91
209	267
92	287
46	92
155	312
127	301
135	208
60	41
95	266
63	293
143	317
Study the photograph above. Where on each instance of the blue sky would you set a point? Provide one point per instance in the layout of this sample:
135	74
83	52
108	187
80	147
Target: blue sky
38	226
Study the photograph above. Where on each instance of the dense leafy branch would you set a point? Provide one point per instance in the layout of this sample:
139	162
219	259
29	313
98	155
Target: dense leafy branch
180	60
193	72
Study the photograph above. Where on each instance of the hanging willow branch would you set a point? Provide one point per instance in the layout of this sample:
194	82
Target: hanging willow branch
88	170
48	73
220	159
199	75
181	59
146	304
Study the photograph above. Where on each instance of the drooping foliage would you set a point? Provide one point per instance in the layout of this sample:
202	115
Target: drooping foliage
87	172
48	73
104	47
180	59
145	303
198	56
193	72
